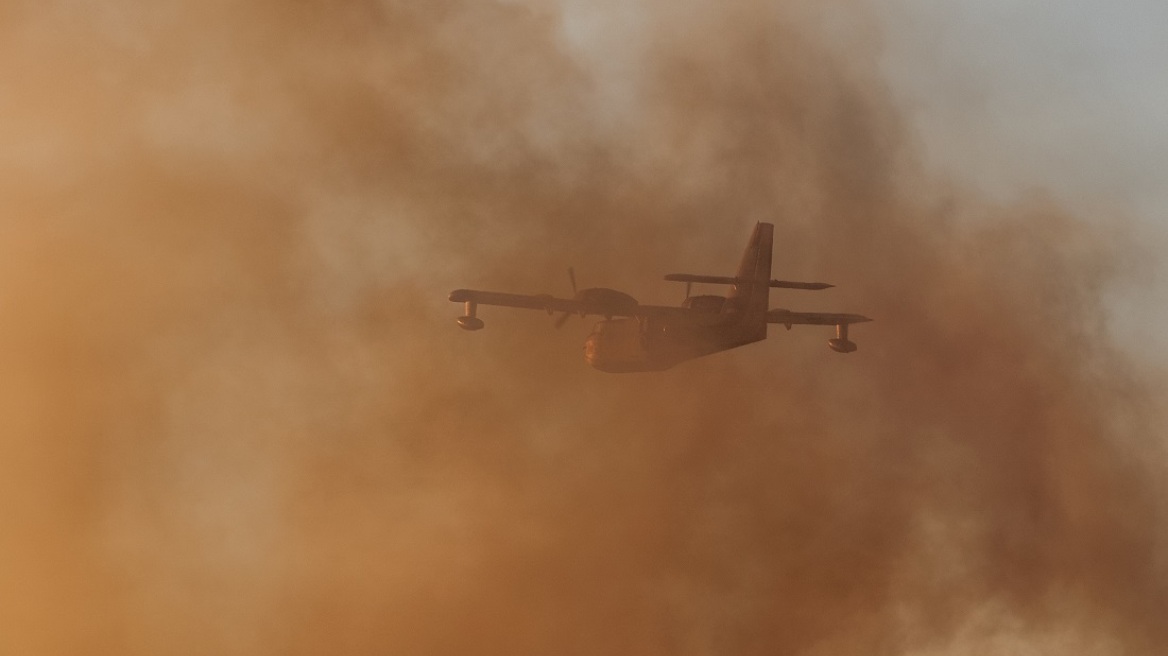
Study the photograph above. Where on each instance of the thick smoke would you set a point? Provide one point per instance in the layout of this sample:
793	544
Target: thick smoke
238	417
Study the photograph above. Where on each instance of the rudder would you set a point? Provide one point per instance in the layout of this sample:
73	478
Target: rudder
750	296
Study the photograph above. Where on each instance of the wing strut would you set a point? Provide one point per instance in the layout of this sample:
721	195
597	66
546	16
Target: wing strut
841	343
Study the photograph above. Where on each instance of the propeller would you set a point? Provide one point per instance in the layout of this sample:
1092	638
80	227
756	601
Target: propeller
563	318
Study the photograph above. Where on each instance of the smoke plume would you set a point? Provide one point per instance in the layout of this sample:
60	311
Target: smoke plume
237	416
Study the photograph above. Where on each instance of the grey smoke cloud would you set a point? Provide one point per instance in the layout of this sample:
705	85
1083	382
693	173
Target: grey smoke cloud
239	417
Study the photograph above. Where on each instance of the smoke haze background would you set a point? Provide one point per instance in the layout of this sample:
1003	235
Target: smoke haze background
238	418
1048	97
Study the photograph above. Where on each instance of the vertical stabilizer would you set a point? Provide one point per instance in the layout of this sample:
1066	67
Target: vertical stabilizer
751	292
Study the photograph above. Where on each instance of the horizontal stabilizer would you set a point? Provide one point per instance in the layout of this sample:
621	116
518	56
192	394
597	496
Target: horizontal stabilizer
730	280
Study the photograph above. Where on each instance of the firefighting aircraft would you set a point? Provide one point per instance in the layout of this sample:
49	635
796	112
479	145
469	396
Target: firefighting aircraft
655	337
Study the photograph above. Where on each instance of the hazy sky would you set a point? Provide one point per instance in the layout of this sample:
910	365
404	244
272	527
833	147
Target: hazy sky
1065	98
1066	94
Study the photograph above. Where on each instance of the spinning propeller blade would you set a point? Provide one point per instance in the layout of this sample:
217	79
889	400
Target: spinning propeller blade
563	318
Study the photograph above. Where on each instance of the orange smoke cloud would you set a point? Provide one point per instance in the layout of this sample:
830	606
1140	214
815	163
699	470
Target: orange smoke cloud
239	418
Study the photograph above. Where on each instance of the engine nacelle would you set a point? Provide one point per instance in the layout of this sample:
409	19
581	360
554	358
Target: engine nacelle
607	297
842	345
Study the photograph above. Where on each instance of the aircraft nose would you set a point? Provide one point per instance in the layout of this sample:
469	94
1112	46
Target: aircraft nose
591	349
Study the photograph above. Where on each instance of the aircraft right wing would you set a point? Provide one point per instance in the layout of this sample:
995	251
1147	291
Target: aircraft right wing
789	318
840	344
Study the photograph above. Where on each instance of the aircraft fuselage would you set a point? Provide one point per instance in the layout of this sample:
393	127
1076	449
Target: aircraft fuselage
635	344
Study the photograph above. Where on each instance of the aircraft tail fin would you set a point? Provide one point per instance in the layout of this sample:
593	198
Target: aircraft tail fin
749	297
752	281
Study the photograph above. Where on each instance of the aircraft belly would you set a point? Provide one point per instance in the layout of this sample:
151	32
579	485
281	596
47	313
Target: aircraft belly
649	344
619	356
622	346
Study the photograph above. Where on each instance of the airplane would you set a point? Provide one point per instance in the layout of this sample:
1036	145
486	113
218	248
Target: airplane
656	337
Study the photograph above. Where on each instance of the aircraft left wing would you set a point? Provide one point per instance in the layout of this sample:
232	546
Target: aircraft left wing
545	302
625	306
600	302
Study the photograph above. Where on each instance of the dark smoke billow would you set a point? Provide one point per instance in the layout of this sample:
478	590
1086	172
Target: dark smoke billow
238	416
